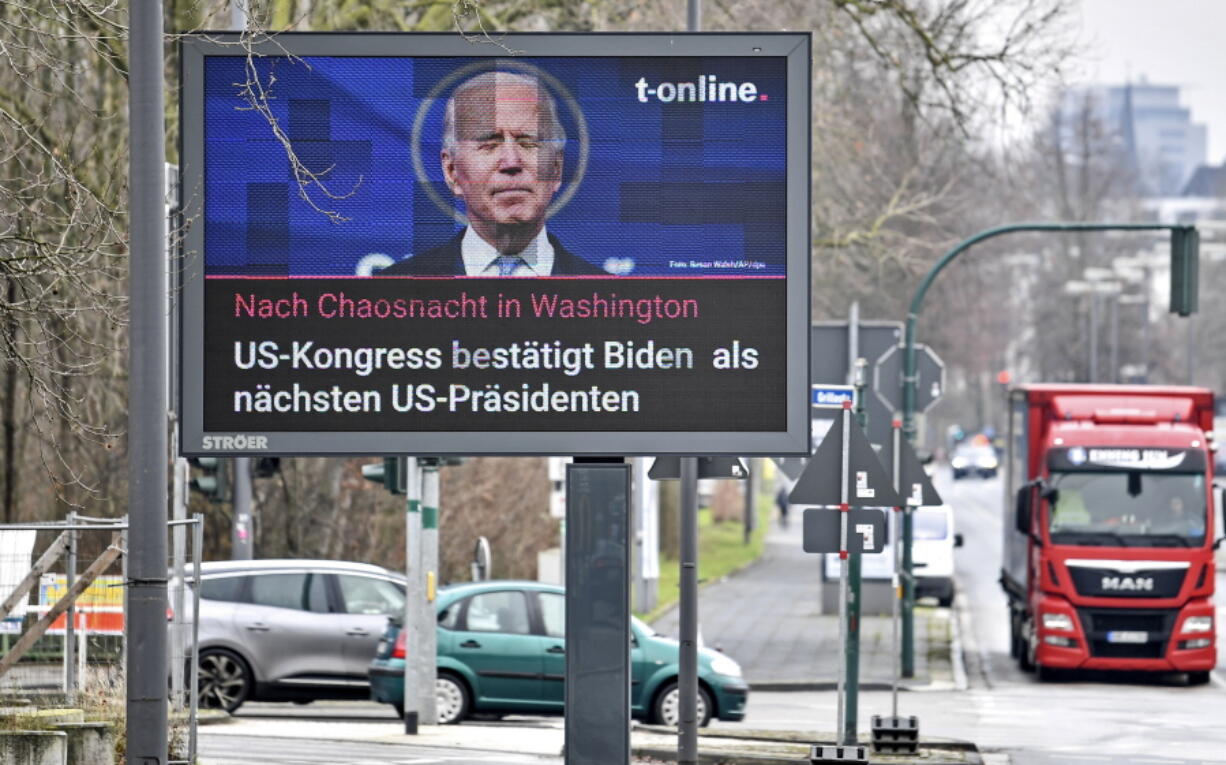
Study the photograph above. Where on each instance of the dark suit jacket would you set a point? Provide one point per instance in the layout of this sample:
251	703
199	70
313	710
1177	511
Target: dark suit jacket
447	260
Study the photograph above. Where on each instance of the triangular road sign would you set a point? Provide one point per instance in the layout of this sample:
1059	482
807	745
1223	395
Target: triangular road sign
914	485
868	485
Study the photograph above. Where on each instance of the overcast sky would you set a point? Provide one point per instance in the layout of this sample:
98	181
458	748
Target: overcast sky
1170	42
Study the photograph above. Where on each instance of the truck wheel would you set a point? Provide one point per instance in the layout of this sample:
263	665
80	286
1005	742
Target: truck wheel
1027	650
1198	678
1015	640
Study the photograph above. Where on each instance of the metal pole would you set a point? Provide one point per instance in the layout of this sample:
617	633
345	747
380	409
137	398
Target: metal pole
844	508
1149	287
1190	350
909	374
178	539
197	549
70	618
242	546
1114	318
751	493
687	673
147	398
1093	337
414	594
429	563
897	577
854	569
687	669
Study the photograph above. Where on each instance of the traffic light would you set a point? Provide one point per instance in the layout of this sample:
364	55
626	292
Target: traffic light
392	473
211	478
1185	267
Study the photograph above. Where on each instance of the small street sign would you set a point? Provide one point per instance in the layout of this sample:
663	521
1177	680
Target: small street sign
867	530
832	396
868	483
930	378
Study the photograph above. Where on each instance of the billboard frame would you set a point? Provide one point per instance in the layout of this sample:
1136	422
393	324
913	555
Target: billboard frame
794	47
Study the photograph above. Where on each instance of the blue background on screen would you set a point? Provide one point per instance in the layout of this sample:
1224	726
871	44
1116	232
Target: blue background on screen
665	181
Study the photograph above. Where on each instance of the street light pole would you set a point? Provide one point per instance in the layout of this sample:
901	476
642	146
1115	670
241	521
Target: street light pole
909	363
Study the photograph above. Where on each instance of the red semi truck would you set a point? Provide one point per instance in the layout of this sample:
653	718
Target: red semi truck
1108	532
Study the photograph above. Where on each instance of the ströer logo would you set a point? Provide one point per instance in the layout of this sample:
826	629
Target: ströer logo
708	89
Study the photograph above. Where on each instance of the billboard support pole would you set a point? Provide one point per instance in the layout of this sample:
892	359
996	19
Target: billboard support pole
413	595
429	564
687	671
147	638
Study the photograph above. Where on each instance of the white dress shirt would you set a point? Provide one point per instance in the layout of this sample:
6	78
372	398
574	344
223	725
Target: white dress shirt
480	257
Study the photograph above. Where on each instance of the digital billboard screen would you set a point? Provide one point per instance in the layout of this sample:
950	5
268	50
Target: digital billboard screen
405	243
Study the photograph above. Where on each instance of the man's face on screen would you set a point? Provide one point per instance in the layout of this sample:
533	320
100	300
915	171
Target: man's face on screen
502	163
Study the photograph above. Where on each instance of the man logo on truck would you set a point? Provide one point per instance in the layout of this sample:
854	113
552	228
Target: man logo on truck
1128	583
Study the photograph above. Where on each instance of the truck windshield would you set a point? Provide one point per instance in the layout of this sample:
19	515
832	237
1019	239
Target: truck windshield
1134	508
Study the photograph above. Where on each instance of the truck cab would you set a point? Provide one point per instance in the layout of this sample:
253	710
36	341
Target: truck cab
1109	531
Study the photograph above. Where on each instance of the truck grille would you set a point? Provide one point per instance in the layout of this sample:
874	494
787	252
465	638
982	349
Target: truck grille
1099	623
1098	582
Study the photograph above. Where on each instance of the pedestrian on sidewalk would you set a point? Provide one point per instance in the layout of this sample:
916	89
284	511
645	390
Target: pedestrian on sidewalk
781	499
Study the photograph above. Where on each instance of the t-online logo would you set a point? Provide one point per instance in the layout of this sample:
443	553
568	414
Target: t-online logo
708	88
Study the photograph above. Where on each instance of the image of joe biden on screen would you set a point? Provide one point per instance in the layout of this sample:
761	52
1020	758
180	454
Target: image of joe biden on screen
502	157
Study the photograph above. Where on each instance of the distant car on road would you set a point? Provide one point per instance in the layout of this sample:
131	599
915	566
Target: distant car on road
291	630
502	649
974	459
932	550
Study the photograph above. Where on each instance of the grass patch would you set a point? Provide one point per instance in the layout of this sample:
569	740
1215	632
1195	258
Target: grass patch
721	550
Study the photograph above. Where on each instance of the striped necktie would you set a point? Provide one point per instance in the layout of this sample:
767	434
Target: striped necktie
507	264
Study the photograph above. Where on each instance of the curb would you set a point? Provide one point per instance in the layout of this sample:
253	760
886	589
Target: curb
830	685
729	757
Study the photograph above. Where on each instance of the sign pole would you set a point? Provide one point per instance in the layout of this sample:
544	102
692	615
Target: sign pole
894	607
844	592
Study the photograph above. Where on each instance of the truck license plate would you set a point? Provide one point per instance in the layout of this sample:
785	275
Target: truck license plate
1127	636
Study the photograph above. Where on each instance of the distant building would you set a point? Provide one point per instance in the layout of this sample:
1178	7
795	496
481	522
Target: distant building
1207	181
1154	133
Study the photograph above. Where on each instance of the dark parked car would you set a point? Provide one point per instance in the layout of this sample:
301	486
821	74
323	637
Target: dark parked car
502	648
291	630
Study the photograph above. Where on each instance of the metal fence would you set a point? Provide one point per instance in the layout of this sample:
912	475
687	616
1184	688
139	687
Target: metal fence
63	617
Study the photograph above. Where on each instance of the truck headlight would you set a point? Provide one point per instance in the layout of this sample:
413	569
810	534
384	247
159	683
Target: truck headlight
958	462
722	665
1061	622
987	463
1198	624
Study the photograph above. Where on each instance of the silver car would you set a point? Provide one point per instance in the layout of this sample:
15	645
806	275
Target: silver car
291	630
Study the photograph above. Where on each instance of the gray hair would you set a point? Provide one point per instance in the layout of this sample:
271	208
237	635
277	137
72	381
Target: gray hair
553	133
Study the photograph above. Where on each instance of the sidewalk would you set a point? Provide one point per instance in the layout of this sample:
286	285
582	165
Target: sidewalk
768	618
545	738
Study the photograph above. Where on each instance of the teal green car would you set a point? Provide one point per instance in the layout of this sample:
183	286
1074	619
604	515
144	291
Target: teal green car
502	650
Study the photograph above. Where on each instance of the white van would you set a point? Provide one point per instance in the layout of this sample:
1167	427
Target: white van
932	552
